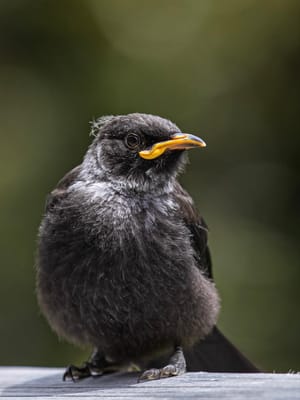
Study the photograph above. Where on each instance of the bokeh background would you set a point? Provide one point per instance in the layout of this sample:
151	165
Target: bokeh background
226	70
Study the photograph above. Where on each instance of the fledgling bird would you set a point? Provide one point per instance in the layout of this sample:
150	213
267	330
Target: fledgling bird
123	263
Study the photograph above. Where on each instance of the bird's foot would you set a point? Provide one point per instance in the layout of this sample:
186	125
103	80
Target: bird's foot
96	366
76	373
176	366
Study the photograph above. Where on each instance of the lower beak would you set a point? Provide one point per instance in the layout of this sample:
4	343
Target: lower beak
179	141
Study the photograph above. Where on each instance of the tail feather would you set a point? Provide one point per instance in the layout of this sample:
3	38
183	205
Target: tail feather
217	354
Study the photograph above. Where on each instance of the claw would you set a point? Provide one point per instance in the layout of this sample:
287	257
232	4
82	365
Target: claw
76	373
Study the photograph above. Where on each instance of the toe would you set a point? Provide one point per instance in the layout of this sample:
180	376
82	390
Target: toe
169	370
96	371
150	374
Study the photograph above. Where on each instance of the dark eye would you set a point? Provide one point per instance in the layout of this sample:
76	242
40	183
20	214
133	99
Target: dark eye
133	141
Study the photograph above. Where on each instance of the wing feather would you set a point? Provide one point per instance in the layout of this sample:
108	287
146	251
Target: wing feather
198	229
58	193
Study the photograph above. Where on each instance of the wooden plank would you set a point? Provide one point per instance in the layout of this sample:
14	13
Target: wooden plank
42	383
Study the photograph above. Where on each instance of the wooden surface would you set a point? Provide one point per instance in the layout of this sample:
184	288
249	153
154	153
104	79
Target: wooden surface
42	383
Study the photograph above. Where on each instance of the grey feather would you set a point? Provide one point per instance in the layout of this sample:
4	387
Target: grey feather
117	268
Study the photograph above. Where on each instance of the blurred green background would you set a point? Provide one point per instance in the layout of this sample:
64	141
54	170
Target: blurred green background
228	71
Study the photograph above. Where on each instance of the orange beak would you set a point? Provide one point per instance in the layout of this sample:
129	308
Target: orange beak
179	141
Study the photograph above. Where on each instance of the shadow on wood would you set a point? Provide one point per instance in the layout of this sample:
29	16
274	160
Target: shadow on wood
40	383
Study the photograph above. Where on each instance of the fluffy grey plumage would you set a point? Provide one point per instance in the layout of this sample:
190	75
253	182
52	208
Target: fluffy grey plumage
123	263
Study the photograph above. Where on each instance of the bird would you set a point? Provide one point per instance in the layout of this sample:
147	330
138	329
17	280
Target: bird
123	262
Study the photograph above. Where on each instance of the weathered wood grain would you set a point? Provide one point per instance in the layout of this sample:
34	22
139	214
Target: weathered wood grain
42	383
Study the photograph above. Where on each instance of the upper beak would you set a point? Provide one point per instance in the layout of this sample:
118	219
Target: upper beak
179	141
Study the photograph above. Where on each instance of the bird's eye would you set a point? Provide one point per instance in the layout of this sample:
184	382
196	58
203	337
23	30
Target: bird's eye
133	141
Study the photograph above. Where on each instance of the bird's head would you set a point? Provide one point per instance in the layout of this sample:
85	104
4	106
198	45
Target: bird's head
138	149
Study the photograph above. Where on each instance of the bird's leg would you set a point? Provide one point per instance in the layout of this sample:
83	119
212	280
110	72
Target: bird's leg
176	366
97	365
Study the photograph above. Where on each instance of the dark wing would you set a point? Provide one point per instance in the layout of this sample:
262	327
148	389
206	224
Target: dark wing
58	193
198	229
215	353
